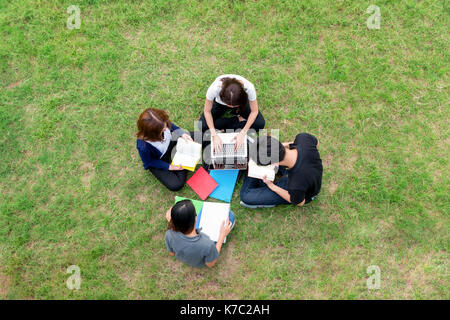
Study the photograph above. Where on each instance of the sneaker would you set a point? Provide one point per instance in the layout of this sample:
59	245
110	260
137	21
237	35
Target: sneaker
250	206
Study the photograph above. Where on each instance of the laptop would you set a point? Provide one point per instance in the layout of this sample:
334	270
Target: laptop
228	158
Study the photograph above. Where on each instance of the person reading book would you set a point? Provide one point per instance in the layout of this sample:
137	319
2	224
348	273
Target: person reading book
300	166
189	245
231	104
156	137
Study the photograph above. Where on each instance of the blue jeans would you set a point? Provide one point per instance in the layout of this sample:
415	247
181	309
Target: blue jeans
256	192
231	217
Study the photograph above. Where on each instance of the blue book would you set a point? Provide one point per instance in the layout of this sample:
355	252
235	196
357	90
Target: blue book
226	180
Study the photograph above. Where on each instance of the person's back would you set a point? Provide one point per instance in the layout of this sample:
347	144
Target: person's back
185	243
307	173
194	251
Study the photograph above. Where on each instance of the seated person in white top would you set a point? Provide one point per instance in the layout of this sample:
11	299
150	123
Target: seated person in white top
231	104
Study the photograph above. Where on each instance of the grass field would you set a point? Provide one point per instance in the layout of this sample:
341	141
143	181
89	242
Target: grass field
73	190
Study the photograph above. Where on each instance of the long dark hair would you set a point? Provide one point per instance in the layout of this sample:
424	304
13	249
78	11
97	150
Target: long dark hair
182	217
233	93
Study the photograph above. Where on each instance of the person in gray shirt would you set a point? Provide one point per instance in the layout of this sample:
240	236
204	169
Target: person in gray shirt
185	242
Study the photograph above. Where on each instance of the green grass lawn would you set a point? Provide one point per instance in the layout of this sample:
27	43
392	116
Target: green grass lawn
74	192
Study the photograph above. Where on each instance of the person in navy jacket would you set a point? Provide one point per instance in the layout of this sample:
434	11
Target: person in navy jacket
156	138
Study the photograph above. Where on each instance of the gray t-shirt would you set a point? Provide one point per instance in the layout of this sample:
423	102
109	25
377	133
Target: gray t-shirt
193	251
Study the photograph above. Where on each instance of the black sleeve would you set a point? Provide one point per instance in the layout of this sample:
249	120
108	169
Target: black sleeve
297	196
310	137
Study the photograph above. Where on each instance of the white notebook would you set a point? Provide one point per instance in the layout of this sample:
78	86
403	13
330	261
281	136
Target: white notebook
212	217
188	154
255	171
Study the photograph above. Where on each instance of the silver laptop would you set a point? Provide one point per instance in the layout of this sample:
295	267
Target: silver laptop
229	158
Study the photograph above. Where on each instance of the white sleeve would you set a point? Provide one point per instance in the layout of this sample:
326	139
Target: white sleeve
251	92
214	90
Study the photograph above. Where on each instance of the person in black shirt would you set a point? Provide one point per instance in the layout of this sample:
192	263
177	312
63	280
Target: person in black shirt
300	165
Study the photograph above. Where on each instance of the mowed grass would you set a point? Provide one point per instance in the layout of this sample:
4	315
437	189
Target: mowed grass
73	190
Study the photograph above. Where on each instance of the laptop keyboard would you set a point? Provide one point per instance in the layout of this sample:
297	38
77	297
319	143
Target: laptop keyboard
228	151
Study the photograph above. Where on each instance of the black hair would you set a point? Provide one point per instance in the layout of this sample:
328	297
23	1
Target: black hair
182	217
268	151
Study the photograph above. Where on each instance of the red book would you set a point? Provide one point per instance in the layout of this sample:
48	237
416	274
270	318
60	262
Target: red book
202	183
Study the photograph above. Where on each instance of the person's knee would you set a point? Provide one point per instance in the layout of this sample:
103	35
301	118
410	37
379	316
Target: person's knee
175	185
247	198
259	123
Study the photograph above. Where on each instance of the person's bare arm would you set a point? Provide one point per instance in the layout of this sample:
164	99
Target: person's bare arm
253	115
280	191
210	123
251	119
168	218
225	229
208	116
168	214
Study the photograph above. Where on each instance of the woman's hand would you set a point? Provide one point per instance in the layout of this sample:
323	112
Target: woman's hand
175	168
186	137
240	139
168	214
217	143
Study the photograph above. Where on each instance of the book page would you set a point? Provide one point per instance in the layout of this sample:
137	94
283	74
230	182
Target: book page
255	171
188	153
189	148
184	160
213	214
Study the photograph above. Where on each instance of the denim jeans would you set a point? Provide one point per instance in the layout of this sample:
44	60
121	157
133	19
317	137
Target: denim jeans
256	192
231	217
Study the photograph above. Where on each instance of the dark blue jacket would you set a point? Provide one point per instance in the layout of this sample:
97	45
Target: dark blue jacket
150	156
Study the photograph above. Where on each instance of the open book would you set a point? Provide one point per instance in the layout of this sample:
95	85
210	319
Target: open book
213	214
188	154
255	171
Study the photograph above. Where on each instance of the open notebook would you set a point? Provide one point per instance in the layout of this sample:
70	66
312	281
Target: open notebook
212	216
188	154
255	171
